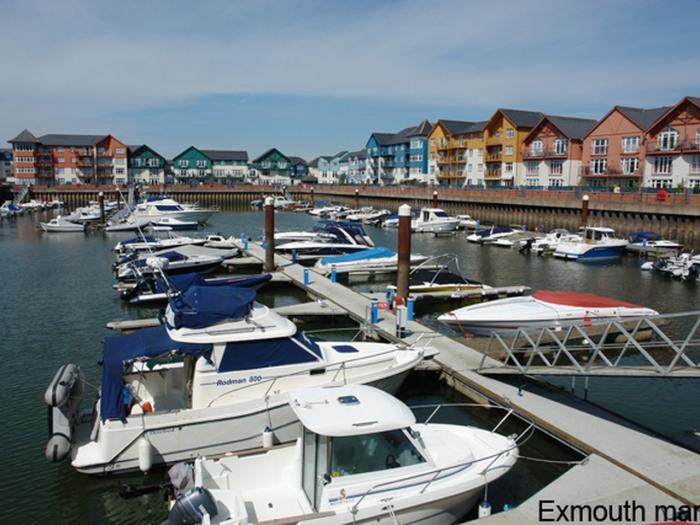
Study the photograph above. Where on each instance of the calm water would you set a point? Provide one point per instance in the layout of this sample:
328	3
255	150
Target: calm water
57	298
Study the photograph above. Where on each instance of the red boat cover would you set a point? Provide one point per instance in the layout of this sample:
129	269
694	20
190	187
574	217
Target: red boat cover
583	300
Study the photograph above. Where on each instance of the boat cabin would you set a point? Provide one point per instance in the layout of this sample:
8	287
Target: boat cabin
432	214
596	233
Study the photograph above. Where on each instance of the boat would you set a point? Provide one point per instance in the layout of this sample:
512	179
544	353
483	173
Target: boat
685	266
153	289
60	224
391	221
650	243
369	260
170	261
332	238
127	225
209	380
85	214
157	208
360	457
141	243
515	239
467	223
10	209
444	277
488	235
33	205
175	224
597	243
543	309
548	243
434	220
282	202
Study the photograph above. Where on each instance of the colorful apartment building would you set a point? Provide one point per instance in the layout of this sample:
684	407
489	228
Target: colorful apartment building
503	137
672	147
146	166
68	159
228	166
192	166
614	149
274	167
553	149
455	153
395	157
357	166
300	168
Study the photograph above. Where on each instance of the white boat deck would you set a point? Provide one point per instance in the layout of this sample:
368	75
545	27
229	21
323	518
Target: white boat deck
653	464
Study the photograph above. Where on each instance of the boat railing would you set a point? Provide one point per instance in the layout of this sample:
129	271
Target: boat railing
324	367
437	473
441	262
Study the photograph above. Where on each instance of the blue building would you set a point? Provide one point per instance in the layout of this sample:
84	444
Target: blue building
396	157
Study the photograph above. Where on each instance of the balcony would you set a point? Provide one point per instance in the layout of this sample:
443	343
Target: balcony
530	154
493	174
679	147
586	171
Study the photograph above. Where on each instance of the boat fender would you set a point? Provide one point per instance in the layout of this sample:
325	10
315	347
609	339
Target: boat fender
61	386
58	447
484	509
267	438
146	453
189	509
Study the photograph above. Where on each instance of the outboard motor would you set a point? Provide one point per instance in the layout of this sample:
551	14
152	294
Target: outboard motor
63	397
190	508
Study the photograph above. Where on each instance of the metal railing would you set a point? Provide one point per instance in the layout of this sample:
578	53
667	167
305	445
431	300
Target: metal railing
633	347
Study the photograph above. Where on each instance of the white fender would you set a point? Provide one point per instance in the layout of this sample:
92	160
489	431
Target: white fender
146	453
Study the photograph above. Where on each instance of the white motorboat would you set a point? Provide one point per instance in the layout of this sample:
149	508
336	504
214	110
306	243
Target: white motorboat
434	220
60	224
33	205
369	260
333	238
361	214
170	261
543	309
85	214
282	202
219	241
158	208
548	243
685	266
489	235
175	224
208	381
360	457
444	277
597	244
649	243
467	223
128	225
10	209
515	239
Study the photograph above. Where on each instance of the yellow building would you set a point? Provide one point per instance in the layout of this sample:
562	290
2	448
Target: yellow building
452	149
503	137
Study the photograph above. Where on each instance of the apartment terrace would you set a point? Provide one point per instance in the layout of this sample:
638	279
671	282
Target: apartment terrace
677	147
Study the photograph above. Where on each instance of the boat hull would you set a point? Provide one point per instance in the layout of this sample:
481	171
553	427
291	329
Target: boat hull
436	227
187	438
590	254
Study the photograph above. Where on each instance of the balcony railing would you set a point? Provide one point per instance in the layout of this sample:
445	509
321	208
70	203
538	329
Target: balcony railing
587	171
681	146
491	157
492	174
542	154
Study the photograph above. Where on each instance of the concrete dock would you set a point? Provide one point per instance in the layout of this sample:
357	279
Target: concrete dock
648	468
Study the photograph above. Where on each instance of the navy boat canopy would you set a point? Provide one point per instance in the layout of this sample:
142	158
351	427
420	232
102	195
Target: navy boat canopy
248	355
643	236
140	238
183	281
201	306
144	344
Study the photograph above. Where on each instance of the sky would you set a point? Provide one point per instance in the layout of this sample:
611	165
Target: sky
316	77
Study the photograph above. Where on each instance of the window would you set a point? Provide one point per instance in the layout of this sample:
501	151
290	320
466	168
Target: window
536	147
532	167
510	132
60	159
560	147
695	164
183	163
509	167
629	165
432	142
630	144
59	149
416	158
281	164
556	167
372	452
201	163
266	164
24	147
556	182
416	144
667	139
697	137
509	150
461	141
120	151
469	168
480	168
599	166
532	182
119	171
442	141
599	147
663	165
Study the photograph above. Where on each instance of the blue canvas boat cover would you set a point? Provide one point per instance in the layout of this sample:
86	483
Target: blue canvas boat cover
139	238
201	306
643	236
170	256
371	253
119	351
153	198
183	281
249	355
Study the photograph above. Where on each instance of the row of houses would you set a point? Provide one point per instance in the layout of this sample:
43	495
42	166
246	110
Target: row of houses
103	159
627	148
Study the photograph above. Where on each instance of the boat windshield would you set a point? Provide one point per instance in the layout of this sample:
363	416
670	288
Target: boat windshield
441	214
372	452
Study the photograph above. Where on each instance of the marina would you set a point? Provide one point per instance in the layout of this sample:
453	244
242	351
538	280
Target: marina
458	366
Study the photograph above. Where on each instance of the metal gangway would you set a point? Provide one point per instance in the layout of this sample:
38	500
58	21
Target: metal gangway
661	346
19	199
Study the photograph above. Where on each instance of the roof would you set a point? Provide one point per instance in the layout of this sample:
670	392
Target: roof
421	130
349	410
521	118
644	118
268	152
384	139
24	136
69	140
360	153
220	154
136	149
297	160
456	126
573	127
662	117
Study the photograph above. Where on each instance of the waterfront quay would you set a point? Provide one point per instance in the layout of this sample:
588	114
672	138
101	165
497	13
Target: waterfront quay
672	215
